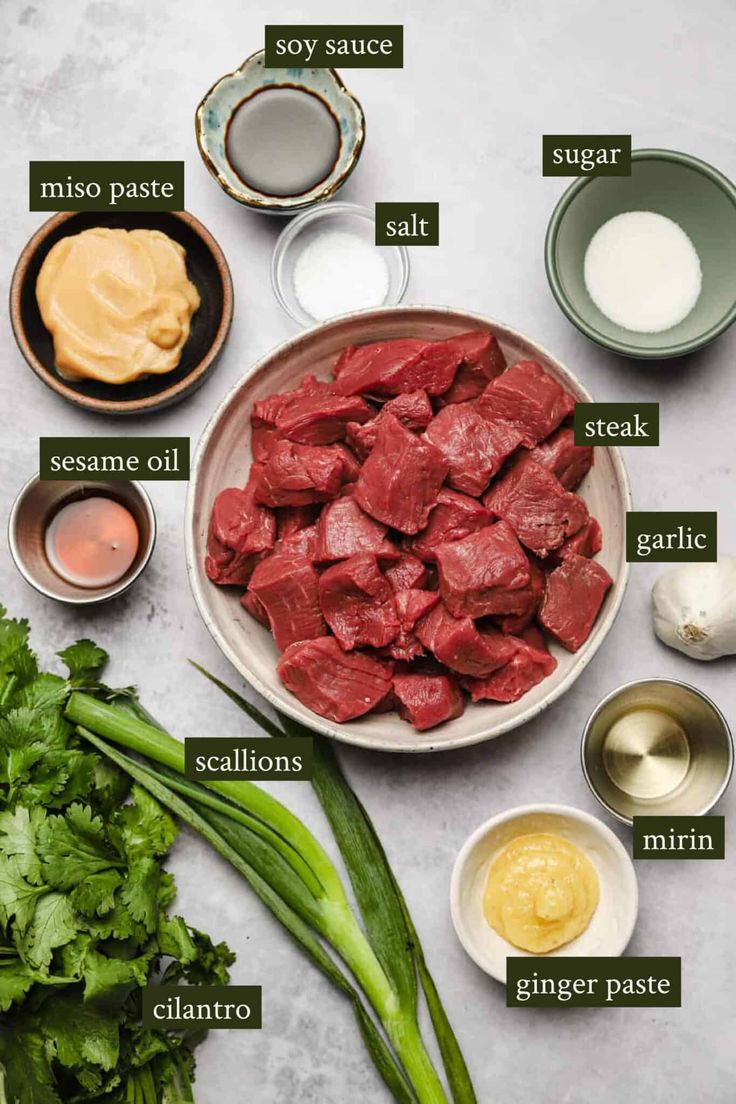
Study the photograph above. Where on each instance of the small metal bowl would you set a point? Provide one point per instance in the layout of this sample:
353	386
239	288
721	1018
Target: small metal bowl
657	747
33	510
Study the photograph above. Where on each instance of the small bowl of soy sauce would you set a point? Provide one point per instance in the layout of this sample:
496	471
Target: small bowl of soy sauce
280	140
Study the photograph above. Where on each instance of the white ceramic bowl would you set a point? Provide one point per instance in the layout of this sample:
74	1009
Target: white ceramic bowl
613	921
223	458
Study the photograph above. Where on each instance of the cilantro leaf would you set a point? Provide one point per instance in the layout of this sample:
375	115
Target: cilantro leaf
18	830
79	1033
84	660
18	898
145	828
15	981
140	891
73	846
25	1070
52	926
95	896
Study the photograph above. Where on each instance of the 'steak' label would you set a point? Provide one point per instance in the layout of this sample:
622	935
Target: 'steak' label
188	1007
593	982
100	459
617	423
106	186
222	757
666	536
586	155
407	224
679	837
371	46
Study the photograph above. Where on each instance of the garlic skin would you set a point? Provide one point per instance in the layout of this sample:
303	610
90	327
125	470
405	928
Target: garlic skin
694	609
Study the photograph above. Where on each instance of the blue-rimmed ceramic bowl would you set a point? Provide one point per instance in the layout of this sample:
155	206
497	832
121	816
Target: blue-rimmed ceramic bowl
219	105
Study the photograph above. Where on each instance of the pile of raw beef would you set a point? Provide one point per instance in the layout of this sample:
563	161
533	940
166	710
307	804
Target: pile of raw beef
409	528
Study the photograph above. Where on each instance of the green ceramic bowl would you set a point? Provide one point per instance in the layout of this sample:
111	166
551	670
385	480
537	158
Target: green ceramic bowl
694	194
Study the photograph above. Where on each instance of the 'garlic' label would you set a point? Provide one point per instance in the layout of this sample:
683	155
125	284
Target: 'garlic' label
668	536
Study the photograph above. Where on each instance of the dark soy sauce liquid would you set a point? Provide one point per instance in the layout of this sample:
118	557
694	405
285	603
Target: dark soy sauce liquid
282	141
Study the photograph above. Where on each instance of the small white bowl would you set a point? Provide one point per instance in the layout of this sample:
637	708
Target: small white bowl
305	228
613	921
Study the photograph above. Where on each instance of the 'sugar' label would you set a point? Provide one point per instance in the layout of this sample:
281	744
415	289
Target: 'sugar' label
668	536
586	155
617	423
349	46
593	982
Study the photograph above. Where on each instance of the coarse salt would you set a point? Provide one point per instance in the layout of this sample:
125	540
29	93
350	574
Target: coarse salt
339	272
643	272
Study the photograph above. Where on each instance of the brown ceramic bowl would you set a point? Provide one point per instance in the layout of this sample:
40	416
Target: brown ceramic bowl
39	501
208	271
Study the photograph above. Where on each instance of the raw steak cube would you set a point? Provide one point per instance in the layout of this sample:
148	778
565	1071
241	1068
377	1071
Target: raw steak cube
568	461
290	519
411	605
287	588
397	367
455	516
239	523
295	475
408	572
515	623
301	543
459	644
586	542
528	398
484	573
527	667
350	465
400	480
321	419
483	360
252	603
262	440
426	700
228	568
345	530
358	603
266	411
574	595
534	502
473	447
366	368
335	684
413	410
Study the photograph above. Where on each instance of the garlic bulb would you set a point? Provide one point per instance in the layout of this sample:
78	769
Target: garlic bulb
694	608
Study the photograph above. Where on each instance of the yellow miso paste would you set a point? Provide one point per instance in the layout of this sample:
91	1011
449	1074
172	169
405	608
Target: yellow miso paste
541	892
118	304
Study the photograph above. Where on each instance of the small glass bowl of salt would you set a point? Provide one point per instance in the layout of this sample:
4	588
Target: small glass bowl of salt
326	263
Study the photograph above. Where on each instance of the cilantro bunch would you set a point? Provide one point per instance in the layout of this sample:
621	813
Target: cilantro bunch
84	904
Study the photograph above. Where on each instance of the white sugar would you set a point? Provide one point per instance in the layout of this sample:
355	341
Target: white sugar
643	272
339	272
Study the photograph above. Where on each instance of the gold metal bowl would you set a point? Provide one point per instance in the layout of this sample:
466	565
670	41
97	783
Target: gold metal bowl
657	747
